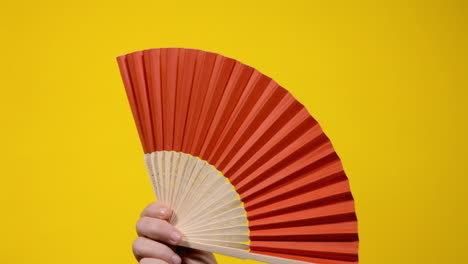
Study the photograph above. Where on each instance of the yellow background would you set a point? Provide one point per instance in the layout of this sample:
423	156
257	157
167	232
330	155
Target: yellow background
386	79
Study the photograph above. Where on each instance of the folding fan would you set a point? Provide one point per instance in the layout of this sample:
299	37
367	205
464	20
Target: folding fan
246	169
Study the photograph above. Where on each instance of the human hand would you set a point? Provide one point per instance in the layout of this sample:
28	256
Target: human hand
157	240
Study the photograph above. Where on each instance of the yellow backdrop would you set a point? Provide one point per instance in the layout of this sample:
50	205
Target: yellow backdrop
386	79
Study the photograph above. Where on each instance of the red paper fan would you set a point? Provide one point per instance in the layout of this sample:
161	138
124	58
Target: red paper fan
248	172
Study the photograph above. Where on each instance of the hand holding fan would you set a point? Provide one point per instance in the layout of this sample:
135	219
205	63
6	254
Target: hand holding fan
245	168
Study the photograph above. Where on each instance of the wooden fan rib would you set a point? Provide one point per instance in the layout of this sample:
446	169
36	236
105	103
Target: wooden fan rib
240	229
225	244
231	213
182	191
220	196
152	173
226	202
182	167
194	196
191	174
167	177
228	237
239	220
172	176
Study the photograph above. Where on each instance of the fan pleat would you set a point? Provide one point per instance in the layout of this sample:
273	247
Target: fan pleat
221	74
281	115
343	231
307	216
306	258
265	104
151	62
250	162
138	81
304	181
291	132
323	249
203	71
293	157
249	98
236	84
185	74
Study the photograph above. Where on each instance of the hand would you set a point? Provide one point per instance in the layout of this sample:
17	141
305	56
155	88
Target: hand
157	240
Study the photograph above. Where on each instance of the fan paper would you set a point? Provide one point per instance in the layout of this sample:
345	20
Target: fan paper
247	170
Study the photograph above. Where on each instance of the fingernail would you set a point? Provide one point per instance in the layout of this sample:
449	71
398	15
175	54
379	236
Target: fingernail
163	212
175	259
175	238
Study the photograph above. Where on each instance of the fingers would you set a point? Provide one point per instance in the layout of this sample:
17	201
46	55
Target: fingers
145	248
159	230
157	210
152	261
194	256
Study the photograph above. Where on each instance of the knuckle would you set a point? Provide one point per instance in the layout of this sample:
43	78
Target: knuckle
146	261
143	224
138	246
150	208
152	228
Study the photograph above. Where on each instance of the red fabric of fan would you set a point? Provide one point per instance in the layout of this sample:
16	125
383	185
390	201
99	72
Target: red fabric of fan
291	200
